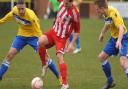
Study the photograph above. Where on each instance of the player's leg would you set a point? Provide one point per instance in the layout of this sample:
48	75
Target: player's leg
47	62
52	66
78	48
42	42
103	56
60	48
63	70
105	65
124	64
16	46
45	59
47	42
71	37
5	64
124	54
107	70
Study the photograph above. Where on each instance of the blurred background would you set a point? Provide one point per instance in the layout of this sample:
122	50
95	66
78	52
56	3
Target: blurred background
46	7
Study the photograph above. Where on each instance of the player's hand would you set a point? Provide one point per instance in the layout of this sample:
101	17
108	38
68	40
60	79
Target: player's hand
70	48
118	44
101	37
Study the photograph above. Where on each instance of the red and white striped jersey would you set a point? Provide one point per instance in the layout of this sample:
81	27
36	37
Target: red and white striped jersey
66	21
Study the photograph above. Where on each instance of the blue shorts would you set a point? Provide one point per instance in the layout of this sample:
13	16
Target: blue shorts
21	41
110	48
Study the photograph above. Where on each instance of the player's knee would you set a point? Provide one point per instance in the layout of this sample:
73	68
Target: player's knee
101	57
124	63
41	42
60	58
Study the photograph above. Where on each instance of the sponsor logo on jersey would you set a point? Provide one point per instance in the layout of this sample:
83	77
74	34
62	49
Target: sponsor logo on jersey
21	21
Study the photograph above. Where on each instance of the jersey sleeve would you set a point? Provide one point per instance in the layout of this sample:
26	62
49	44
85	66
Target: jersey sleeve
117	19
7	17
36	25
76	21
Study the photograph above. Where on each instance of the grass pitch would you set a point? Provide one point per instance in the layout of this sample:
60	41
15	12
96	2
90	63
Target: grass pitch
84	69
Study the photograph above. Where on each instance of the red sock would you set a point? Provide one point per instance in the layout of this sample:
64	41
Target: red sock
63	72
42	52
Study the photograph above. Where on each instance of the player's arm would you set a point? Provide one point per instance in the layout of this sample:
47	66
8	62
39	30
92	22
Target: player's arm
76	25
36	25
120	36
103	31
7	17
76	32
118	21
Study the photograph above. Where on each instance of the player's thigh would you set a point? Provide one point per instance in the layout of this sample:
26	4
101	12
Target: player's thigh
43	40
124	50
19	42
124	62
110	48
60	45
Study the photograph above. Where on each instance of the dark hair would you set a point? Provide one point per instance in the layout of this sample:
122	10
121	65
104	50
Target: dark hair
101	3
70	0
21	2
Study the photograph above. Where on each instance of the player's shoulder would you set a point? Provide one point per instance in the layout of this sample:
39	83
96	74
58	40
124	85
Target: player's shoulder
112	11
15	9
75	10
30	13
61	4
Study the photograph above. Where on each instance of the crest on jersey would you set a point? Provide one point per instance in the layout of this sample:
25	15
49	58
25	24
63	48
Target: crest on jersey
21	21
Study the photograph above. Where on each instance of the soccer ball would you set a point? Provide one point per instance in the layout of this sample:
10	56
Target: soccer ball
37	83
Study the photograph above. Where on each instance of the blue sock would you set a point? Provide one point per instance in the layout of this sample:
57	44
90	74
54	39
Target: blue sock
71	38
107	70
53	68
3	69
78	42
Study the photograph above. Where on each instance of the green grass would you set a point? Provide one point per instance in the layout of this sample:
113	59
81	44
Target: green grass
84	69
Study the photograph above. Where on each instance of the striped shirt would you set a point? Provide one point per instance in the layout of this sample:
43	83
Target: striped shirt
67	21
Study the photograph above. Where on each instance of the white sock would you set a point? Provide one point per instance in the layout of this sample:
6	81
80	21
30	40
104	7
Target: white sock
126	70
105	62
49	61
5	62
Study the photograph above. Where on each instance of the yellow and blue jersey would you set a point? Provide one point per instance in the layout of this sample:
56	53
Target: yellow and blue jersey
28	24
114	20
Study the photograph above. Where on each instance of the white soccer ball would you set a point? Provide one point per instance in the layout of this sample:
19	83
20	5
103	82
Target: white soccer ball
37	83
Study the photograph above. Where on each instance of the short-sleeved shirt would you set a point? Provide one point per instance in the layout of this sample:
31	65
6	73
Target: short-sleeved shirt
55	4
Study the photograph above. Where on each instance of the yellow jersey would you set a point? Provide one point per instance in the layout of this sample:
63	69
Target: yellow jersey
114	20
28	24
